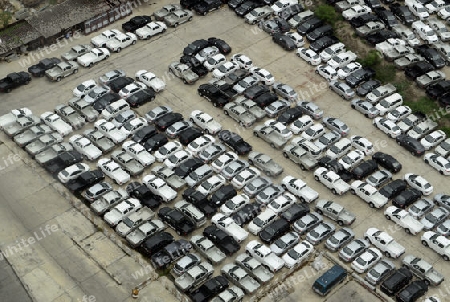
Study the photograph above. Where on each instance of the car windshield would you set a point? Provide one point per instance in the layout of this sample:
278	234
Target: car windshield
375	274
293	254
361	261
314	234
207	185
333	240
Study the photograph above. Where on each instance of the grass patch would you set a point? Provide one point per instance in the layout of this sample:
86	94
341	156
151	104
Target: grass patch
423	105
385	73
327	14
446	129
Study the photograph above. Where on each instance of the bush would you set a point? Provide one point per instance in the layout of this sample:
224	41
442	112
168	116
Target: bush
372	59
327	14
423	105
446	130
385	73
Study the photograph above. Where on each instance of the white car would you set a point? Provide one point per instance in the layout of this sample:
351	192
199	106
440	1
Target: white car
211	184
94	56
224	159
177	158
369	194
225	69
421	129
150	30
206	53
435	5
399	113
278	6
72	172
331	180
443	149
118	212
380	92
327	72
265	255
438	162
84	88
228	225
150	80
138	152
440	29
366	260
351	159
284	243
387	126
301	124
444	13
342	59
282	202
159	187
131	89
419	183
404	219
244	177
100	40
348	69
121	41
167	149
205	122
298	254
362	144
433	139
331	51
280	128
311	57
55	122
296	38
299	188
438	243
132	126
110	131
417	9
425	32
85	147
260	221
356	11
389	103
384	242
11	117
313	132
214	61
234	204
242	60
113	170
200	143
263	75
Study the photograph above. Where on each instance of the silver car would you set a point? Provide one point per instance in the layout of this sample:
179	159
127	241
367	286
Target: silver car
277	107
178	17
84	109
131	165
257	14
379	178
352	250
310	109
285	91
211	152
342	89
365	107
21	124
380	271
183	72
62	70
337	125
421	207
234	168
31	134
52	152
251	106
106	78
320	233
76	51
177	128
338	239
42	143
165	10
265	163
240	114
100	140
255	186
68	114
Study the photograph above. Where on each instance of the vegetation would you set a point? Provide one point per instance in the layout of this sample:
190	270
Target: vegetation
372	59
327	14
5	17
423	105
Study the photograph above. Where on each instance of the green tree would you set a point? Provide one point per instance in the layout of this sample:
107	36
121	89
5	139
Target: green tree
5	17
327	14
372	59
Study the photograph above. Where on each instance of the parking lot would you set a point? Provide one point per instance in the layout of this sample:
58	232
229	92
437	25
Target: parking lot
79	261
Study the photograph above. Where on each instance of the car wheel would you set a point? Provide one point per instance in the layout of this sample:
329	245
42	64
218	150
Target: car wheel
427	282
442	173
190	18
75	71
353	106
387	254
27	82
285	155
118	49
205	13
58	79
371	205
408	231
107	56
254	133
399	143
175	25
206	131
366	115
319	211
392	136
302	199
90	65
317	72
426	161
134	42
302	167
334	191
226	112
387	217
215	104
184	81
272	145
352	191
445	257
316	177
340	222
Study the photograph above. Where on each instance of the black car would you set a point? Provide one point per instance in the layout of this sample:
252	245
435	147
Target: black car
141	97
444	100
274	230
223	46
227	89
359	76
189	4
105	100
387	17
392	189
290	115
226	243
363	20
396	281
431	55
136	22
144	133
295	212
85	180
194	47
255	91
155	142
209	289
406	198
200	201
284	41
189	135
206	6
413	291
188	166
402	13
247	213
367	87
171	252
322	31
144	195
176	220
416	70
309	25
373	3
265	99
62	161
387	161
235	142
282	24
156	242
336	167
223	194
14	80
117	84
200	70
380	36
410	144
39	69
364	169
191	61
234	77
233	4
168	120
246	7
438	89
322	43
213	94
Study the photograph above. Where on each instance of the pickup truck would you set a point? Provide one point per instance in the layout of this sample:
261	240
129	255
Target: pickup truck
255	268
84	108
70	116
240	277
346	4
148	228
205	247
369	28
169	176
159	187
21	124
331	180
270	135
30	135
299	188
265	255
52	152
126	207
299	156
94	56
438	243
107	201
62	70
368	193
335	212
228	225
11	117
14	80
100	140
389	44
404	219
132	221
194	276
423	270
63	160
384	242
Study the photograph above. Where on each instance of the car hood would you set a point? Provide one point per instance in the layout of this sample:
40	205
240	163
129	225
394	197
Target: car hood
35	69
